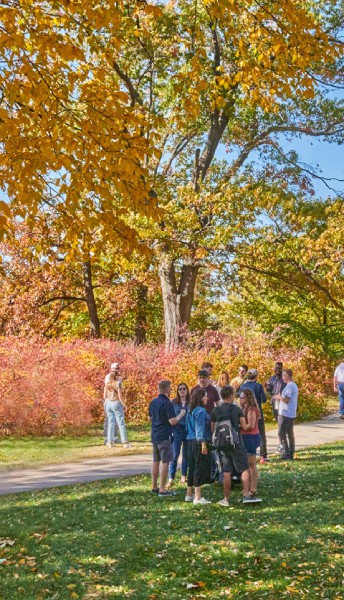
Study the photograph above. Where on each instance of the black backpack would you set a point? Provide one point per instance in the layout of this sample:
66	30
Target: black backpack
225	437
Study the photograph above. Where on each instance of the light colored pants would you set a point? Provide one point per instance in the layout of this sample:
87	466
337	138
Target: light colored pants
115	414
106	426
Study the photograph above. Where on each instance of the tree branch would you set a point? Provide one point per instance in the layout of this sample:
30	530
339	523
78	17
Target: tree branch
73	298
134	94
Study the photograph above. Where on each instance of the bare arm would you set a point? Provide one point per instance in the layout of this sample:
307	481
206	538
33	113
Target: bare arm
176	420
212	427
251	418
335	384
243	423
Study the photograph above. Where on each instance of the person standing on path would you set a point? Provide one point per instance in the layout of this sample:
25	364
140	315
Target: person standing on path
287	413
232	459
260	396
338	384
115	369
275	386
199	438
179	403
162	418
114	406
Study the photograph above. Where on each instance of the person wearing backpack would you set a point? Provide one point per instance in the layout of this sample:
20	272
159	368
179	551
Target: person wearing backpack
225	423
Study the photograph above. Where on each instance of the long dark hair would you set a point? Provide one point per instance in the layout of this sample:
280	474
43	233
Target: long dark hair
197	398
187	397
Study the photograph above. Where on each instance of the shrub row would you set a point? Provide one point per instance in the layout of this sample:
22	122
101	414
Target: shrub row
55	387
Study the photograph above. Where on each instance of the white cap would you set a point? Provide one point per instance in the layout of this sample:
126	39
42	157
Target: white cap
115	366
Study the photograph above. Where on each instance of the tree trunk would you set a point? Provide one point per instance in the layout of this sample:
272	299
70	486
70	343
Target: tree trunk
141	320
169	295
177	301
91	303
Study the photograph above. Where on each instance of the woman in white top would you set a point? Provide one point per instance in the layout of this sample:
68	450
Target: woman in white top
114	407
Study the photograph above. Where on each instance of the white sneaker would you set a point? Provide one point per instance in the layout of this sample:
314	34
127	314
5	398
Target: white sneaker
224	502
127	445
110	445
189	498
201	501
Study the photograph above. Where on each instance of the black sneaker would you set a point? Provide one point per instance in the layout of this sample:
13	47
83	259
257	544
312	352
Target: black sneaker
166	494
250	499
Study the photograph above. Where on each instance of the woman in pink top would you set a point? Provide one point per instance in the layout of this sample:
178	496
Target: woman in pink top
250	434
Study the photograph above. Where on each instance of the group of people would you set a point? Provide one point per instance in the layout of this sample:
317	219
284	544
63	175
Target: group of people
218	428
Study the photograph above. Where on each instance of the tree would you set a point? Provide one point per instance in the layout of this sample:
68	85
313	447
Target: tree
113	294
228	74
71	138
290	271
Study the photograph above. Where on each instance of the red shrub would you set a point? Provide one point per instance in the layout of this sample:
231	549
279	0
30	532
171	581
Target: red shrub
56	387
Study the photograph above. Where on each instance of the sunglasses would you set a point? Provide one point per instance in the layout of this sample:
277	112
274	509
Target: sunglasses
182	389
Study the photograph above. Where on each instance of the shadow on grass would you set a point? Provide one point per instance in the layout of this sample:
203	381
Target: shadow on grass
115	540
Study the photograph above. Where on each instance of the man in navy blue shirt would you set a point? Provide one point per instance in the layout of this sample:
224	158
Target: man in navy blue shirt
260	396
162	418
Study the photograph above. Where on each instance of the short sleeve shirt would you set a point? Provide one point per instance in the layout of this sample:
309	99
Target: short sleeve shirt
160	411
291	391
213	397
339	373
227	412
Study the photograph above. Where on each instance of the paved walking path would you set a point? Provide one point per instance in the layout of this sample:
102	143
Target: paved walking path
330	429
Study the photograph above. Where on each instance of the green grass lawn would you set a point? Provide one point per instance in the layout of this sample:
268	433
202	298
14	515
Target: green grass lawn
33	451
115	540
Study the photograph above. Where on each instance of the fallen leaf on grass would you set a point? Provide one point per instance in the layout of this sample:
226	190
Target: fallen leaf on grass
6	542
198	584
71	586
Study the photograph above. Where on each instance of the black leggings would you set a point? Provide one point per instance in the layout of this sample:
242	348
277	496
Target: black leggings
199	465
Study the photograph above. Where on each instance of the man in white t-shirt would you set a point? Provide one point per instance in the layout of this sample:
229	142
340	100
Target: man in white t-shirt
287	413
338	384
115	369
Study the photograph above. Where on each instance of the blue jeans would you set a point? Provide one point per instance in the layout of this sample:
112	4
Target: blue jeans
179	439
106	427
341	398
115	413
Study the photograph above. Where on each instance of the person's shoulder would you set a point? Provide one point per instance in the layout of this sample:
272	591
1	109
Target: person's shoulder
195	387
215	413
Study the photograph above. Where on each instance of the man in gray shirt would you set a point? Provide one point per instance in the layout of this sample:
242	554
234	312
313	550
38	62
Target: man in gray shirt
287	413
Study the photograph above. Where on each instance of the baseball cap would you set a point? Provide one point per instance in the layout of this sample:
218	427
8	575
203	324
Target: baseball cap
252	372
115	366
203	372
